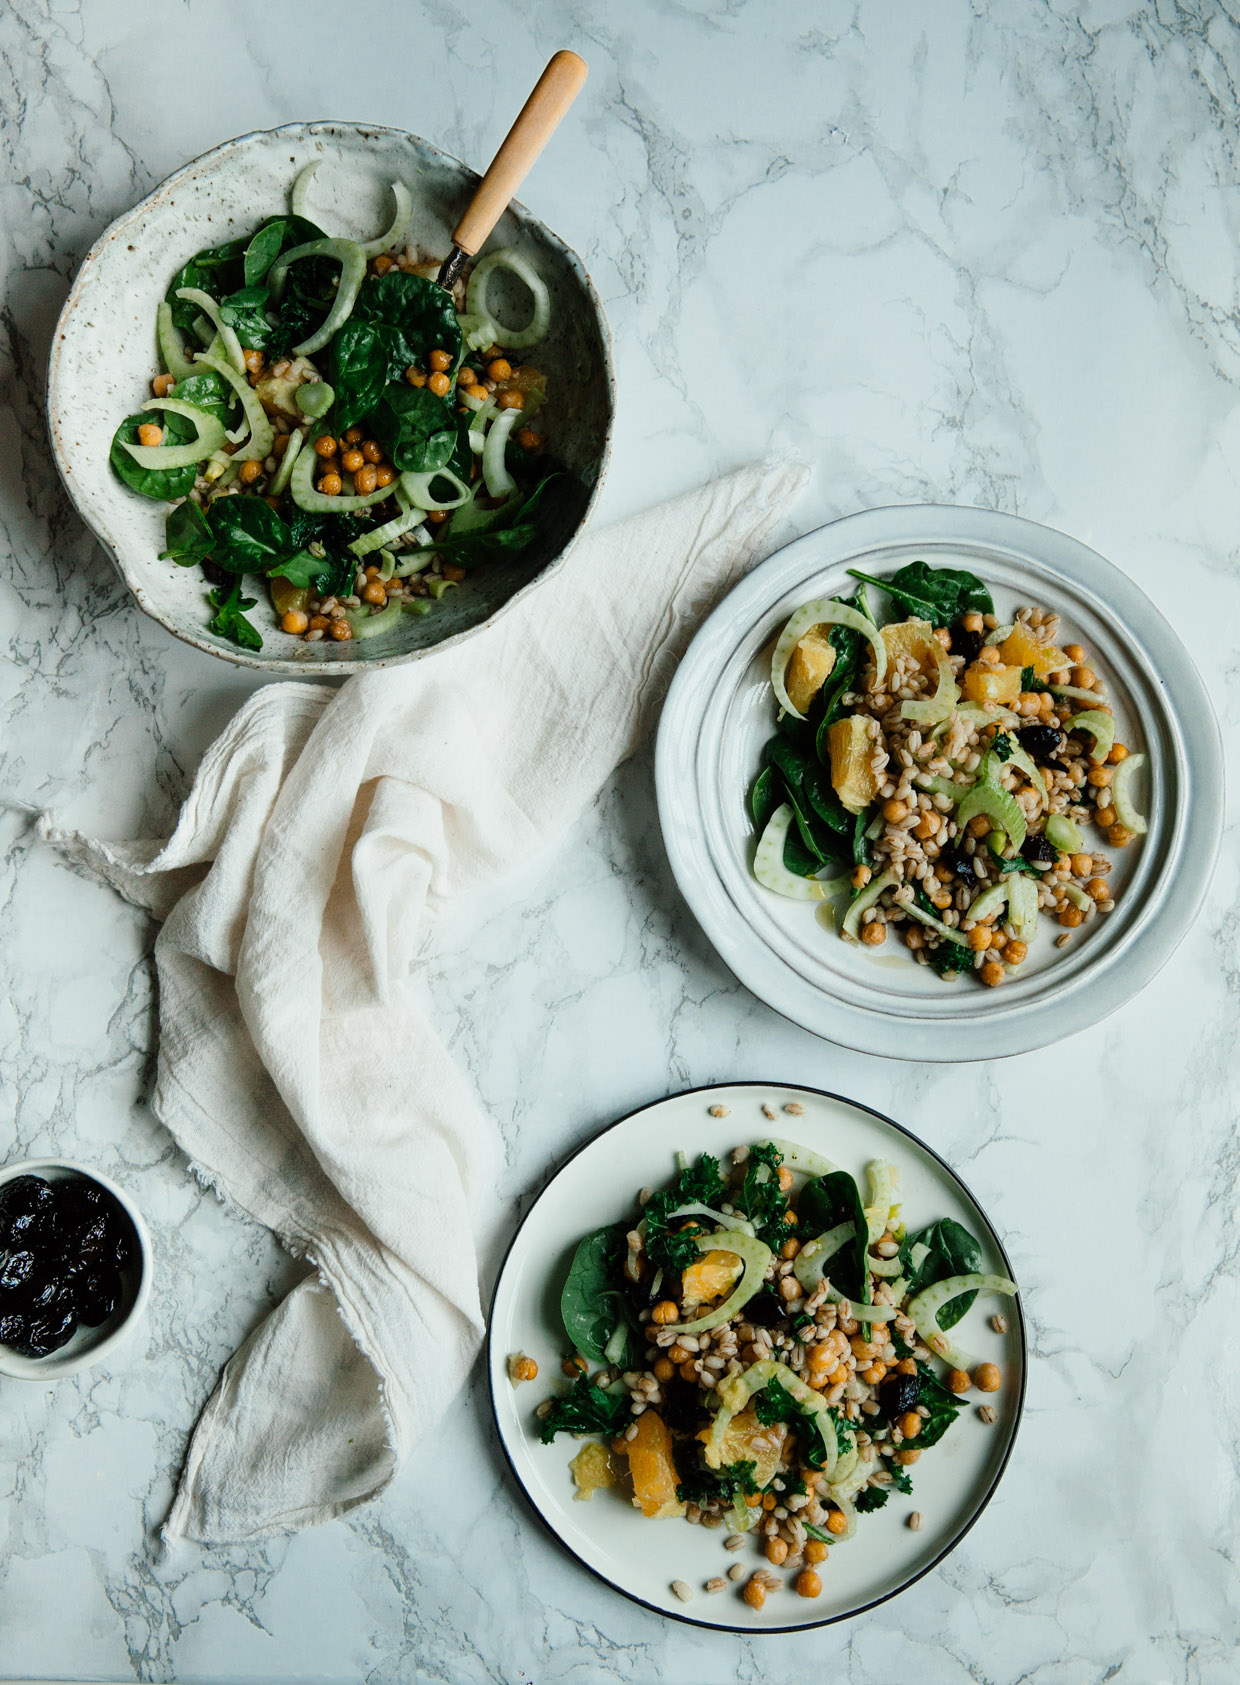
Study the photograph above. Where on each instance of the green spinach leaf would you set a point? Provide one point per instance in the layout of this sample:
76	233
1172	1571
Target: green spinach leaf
416	429
943	1406
249	536
939	595
246	312
163	484
418	317
827	1201
767	794
358	371
592	1300
952	1250
187	536
210	391
229	620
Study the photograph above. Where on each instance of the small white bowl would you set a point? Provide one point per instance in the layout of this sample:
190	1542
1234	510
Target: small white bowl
103	357
88	1345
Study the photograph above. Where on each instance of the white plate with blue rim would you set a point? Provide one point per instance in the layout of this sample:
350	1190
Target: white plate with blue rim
720	713
952	1482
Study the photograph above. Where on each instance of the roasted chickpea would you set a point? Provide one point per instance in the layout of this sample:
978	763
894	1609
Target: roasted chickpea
986	1377
294	620
529	440
384	475
873	934
351	460
992	974
342	632
365	480
808	1583
440	361
373	592
325	445
249	472
330	485
837	1522
150	434
500	369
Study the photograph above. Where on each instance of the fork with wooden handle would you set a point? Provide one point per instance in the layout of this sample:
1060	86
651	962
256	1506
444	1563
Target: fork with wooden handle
555	91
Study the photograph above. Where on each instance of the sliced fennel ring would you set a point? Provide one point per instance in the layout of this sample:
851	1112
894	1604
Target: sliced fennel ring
924	1311
515	339
352	260
262	434
1121	795
209	437
754	1254
735	1392
824	612
768	862
211	310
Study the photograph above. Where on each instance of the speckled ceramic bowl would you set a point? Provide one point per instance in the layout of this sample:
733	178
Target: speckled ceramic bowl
104	355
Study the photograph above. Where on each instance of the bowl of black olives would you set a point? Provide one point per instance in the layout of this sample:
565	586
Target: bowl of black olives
75	1268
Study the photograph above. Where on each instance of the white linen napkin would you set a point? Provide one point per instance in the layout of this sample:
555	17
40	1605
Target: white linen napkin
325	831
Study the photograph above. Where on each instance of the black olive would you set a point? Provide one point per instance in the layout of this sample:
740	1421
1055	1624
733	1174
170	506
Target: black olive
899	1393
1035	849
966	643
49	1332
1040	741
98	1297
13	1326
956	860
765	1309
16	1269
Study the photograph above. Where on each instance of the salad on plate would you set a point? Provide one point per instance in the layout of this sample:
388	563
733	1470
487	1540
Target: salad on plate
940	776
759	1349
333	423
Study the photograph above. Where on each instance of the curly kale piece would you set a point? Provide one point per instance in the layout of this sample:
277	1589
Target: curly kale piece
586	1409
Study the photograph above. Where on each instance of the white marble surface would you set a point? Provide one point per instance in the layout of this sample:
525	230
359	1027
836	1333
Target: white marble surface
983	254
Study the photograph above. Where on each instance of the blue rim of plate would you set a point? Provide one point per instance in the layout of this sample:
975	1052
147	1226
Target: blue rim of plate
1173	866
1017	1304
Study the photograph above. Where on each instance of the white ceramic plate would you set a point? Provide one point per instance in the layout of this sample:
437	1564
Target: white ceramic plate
952	1483
720	713
88	1346
103	357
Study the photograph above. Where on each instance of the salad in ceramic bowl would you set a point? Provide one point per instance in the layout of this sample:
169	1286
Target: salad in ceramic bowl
298	447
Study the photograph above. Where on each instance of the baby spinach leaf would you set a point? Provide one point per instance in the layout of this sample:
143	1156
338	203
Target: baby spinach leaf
419	315
209	391
939	595
861	851
305	569
249	537
517	526
943	1406
416	429
825	1202
246	312
359	371
229	620
187	536
586	1409
765	797
592	1300
163	484
952	1251
263	250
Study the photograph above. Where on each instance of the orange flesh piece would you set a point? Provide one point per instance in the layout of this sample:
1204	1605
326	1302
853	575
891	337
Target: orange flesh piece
651	1466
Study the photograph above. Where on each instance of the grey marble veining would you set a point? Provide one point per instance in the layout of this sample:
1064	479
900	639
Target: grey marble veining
983	254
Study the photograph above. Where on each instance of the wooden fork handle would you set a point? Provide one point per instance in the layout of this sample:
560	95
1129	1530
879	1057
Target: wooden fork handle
557	88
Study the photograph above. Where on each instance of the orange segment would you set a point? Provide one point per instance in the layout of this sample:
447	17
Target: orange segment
746	1440
911	638
991	684
1023	648
592	1468
710	1278
852	742
809	668
651	1466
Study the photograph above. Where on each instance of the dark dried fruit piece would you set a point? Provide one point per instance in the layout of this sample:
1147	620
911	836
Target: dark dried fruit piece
1043	742
1037	850
49	1332
16	1270
13	1327
79	1202
899	1393
98	1297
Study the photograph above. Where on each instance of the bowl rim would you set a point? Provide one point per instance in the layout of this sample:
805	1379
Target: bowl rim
561	1164
1180	708
53	1367
279	666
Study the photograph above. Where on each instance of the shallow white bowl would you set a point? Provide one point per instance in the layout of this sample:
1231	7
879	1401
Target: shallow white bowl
103	357
88	1345
952	1483
720	713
